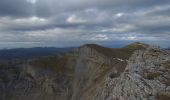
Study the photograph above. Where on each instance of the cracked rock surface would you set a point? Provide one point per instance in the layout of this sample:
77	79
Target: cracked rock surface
91	72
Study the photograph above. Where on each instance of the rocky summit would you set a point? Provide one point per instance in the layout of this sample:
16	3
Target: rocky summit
91	72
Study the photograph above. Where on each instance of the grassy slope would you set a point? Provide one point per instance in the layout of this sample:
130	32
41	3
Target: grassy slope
59	64
123	53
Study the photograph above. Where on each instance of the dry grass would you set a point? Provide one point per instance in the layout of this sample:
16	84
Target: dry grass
167	65
151	75
59	64
123	53
54	63
113	75
167	82
163	96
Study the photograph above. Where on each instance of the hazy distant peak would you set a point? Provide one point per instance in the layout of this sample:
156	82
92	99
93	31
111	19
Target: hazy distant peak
123	53
137	45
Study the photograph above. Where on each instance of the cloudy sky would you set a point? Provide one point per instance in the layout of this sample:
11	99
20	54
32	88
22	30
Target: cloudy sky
61	23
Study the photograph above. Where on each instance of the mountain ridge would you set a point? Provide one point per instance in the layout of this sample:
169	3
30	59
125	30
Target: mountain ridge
28	53
90	72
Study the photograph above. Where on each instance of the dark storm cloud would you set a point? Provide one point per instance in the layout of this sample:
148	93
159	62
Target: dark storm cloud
164	12
16	8
48	8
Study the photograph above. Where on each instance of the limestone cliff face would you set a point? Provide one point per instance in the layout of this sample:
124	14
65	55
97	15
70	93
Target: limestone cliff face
91	72
28	83
146	77
90	69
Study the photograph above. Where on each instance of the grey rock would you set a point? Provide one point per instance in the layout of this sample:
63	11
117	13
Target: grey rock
95	76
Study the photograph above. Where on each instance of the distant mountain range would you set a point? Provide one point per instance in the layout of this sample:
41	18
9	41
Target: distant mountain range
28	53
168	48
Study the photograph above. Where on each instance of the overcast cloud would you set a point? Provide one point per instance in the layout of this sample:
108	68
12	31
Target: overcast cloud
28	23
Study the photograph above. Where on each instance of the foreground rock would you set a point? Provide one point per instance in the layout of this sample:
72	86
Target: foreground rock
146	77
91	72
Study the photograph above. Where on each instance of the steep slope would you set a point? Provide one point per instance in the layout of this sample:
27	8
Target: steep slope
90	72
93	64
146	77
123	53
26	82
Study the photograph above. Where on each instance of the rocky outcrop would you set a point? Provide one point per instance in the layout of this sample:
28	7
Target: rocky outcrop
145	78
90	69
27	83
91	72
